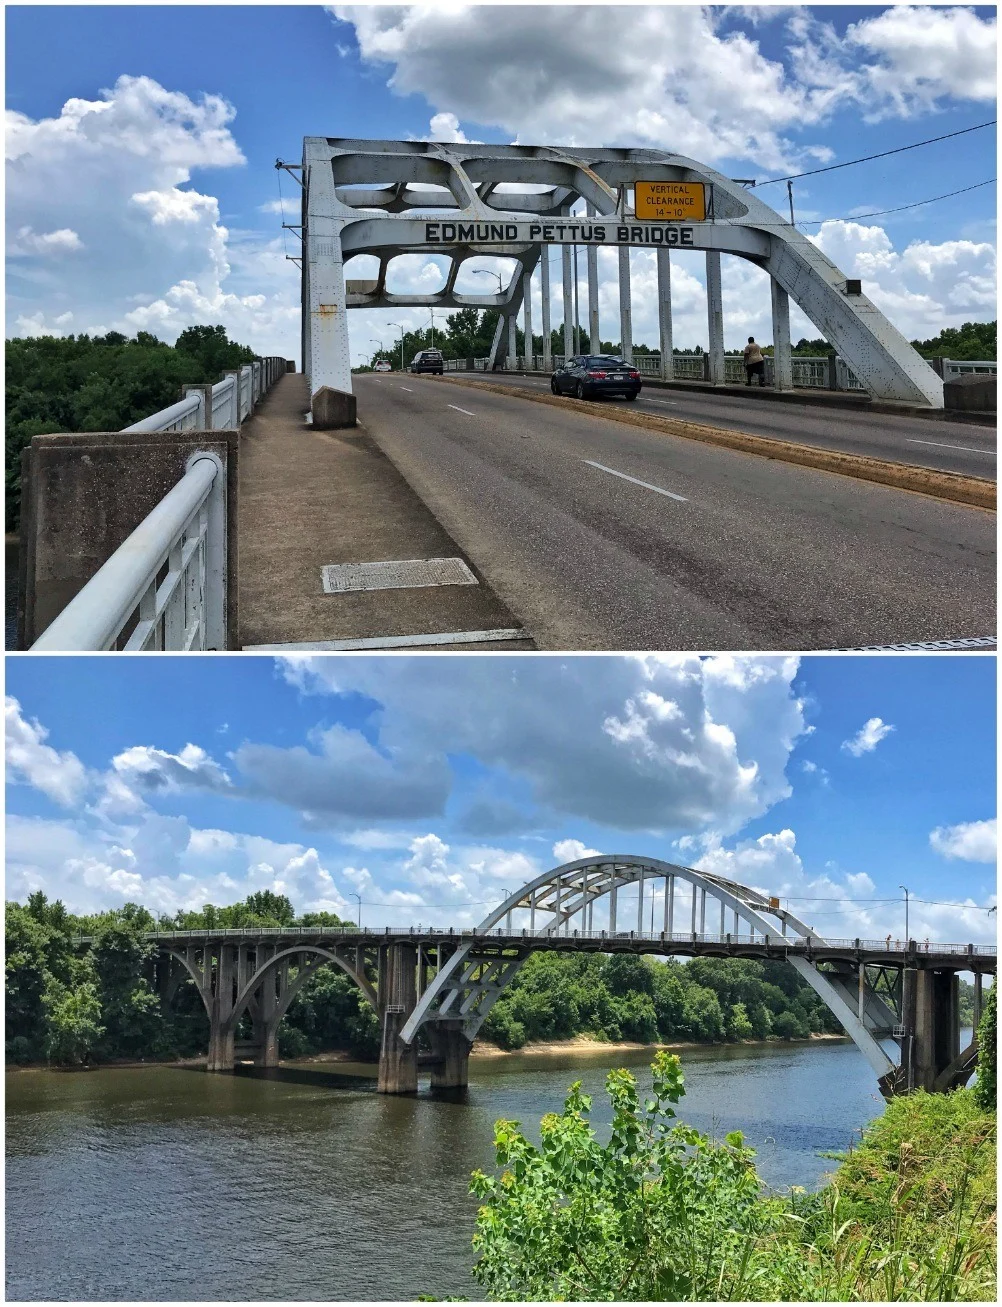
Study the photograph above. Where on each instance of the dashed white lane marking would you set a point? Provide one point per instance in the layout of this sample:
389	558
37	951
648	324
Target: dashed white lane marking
667	402
461	410
968	449
408	389
646	484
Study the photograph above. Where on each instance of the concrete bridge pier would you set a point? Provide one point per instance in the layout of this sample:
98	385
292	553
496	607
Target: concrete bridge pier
930	1045
451	1051
398	1062
220	982
266	1012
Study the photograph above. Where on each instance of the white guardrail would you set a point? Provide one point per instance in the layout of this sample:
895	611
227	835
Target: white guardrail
164	588
815	372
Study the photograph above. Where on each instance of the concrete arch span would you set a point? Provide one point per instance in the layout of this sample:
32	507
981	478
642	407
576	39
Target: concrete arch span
234	979
562	902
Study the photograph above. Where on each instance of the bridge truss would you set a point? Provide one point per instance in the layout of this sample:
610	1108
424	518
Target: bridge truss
392	198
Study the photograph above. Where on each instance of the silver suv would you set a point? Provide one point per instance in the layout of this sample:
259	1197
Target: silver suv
428	360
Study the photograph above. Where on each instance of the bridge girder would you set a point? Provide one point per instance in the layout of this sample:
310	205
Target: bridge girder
376	196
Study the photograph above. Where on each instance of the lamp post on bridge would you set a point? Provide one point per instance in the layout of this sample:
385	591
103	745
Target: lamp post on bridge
359	897
401	330
906	914
377	343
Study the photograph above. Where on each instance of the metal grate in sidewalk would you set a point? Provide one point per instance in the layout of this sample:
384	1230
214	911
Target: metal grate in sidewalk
403	574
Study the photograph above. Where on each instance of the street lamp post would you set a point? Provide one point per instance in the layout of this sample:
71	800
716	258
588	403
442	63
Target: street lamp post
906	914
401	330
377	343
486	272
359	897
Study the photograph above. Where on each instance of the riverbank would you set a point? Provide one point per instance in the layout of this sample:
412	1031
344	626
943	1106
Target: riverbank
586	1044
481	1051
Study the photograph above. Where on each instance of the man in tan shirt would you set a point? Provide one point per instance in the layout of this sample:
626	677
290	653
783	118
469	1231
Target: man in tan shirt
754	362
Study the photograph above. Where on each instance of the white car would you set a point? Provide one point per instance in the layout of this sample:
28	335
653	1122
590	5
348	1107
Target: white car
382	366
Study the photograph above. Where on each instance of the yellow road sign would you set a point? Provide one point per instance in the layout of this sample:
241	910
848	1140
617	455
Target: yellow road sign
671	201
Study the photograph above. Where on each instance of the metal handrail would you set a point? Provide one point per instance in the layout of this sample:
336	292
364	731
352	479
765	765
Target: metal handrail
169	417
673	937
96	614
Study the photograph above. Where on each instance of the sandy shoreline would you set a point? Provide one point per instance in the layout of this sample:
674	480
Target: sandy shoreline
480	1051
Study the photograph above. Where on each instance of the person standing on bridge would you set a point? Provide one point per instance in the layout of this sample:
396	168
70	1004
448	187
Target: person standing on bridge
754	362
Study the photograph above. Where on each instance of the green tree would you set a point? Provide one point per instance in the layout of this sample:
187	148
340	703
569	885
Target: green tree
73	1021
659	1213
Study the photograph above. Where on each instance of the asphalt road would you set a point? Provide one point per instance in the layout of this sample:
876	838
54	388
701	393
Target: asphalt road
948	446
599	535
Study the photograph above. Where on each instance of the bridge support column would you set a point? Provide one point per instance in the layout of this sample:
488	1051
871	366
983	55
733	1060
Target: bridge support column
398	1069
664	314
569	344
715	317
782	356
268	1019
451	1048
529	350
221	1031
932	1019
512	341
625	305
591	258
544	290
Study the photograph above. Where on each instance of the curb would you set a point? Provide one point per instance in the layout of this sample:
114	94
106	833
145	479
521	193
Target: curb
976	492
853	401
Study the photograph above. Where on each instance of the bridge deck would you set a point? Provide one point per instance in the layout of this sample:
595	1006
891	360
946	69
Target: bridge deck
934	956
309	498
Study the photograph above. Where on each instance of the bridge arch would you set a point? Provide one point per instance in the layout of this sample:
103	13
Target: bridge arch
470	983
376	197
271	968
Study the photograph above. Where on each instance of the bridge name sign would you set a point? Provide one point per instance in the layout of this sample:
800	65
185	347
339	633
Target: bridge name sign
557	233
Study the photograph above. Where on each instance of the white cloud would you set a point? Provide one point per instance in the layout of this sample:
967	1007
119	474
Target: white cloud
572	851
153	771
25	241
445	127
867	737
972	841
158	256
61	776
668	742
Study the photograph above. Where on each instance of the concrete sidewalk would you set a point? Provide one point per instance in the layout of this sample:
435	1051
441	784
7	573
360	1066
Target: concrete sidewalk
309	498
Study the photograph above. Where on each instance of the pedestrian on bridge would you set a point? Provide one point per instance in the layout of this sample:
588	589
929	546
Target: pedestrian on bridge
754	362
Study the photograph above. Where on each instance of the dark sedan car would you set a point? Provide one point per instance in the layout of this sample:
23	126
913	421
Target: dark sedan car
596	374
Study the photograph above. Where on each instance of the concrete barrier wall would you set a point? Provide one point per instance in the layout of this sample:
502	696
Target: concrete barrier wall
83	494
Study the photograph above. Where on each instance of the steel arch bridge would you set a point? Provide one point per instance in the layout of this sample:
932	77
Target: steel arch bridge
390	198
436	987
561	904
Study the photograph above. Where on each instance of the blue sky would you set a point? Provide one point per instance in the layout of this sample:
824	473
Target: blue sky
150	212
428	786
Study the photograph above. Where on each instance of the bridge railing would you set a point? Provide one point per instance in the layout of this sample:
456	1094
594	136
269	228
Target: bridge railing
165	586
674	937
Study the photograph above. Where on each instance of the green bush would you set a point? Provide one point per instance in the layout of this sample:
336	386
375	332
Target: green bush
985	1087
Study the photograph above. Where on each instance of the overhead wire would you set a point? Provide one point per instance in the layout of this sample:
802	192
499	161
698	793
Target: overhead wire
866	158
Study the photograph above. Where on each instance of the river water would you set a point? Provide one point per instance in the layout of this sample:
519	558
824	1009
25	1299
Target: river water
168	1183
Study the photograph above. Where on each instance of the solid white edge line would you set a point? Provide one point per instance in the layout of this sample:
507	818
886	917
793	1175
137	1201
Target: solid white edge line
397	641
636	481
461	410
968	449
407	388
